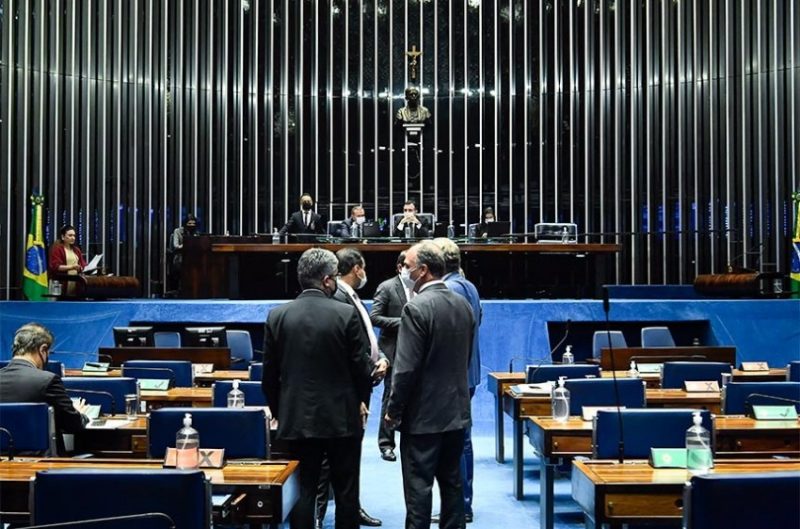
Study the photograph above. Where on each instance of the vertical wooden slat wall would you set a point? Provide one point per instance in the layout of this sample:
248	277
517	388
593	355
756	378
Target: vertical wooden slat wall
665	125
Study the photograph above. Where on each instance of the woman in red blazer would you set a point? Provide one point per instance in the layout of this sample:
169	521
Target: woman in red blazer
66	258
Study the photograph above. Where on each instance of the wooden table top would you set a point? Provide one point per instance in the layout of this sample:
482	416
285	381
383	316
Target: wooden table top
178	395
725	423
654	395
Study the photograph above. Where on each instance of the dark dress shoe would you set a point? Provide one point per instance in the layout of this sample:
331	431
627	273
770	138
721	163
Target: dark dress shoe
366	519
467	518
387	454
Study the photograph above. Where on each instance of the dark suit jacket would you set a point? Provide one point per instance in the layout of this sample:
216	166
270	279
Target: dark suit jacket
295	224
429	378
387	305
21	381
316	367
343	230
464	287
419	231
341	296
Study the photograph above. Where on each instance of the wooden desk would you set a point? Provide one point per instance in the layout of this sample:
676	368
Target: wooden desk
202	379
609	492
496	384
271	488
734	436
773	375
623	355
194	397
518	407
219	356
128	440
651	380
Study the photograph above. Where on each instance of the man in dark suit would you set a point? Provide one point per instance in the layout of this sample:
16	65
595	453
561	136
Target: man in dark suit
316	380
387	305
430	396
353	276
357	216
464	287
410	220
25	380
305	221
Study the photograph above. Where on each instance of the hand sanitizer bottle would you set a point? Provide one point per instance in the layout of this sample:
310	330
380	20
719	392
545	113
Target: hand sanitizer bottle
699	459
633	372
567	357
276	237
235	396
187	446
561	402
451	231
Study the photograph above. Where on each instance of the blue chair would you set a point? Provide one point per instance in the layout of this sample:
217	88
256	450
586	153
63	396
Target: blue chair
108	392
179	371
256	371
184	496
167	339
52	366
742	501
241	349
31	428
549	372
241	432
600	392
600	341
736	397
676	373
642	430
253	395
793	371
657	337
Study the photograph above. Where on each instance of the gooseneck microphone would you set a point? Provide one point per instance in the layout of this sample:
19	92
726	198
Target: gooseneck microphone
552	351
606	310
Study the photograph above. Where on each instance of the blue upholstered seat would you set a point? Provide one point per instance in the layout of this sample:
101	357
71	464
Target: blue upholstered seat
642	430
108	392
742	501
241	432
600	341
30	425
737	395
793	371
256	371
600	392
184	496
253	396
180	371
548	372
657	337
241	349
676	373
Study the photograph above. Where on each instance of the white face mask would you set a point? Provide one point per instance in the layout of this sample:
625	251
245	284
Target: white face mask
489	219
405	277
362	281
361	220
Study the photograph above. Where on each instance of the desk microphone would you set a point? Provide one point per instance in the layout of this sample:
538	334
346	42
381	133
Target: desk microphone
552	352
10	443
606	309
748	404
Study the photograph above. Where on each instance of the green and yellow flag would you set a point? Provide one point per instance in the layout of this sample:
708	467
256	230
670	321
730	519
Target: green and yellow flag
34	280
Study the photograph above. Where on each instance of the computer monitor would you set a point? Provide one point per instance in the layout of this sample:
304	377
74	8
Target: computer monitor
371	229
501	228
205	337
134	337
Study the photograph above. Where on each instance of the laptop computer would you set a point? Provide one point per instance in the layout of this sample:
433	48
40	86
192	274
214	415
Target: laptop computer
499	228
370	229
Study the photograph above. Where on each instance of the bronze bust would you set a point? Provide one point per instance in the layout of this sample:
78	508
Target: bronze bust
413	111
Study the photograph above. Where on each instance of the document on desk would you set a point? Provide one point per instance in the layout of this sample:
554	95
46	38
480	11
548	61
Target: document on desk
543	389
107	424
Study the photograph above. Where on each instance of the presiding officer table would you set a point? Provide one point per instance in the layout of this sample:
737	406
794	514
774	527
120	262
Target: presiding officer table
270	488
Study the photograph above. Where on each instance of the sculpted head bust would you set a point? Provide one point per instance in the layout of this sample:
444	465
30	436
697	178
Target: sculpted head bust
413	111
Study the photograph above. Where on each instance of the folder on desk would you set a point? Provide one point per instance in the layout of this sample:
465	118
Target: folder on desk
544	388
95	367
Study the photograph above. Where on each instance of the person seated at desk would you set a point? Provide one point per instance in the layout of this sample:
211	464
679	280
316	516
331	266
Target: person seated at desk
24	379
410	220
357	216
305	221
483	227
66	259
187	229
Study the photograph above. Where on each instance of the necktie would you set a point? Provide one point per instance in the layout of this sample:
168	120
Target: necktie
373	341
305	218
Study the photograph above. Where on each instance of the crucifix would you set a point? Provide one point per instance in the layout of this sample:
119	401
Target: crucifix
413	54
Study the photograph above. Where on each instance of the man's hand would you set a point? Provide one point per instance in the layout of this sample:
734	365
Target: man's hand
380	370
364	415
391	423
81	406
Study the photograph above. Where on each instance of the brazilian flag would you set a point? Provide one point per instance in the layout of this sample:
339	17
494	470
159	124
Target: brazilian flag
34	280
795	273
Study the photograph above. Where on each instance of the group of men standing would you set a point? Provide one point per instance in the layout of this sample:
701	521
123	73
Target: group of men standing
321	359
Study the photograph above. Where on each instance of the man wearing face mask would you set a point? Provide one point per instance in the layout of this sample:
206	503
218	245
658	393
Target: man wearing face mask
416	229
429	403
357	218
317	375
353	276
25	380
306	221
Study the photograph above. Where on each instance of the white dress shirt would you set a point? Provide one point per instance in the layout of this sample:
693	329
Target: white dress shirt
362	311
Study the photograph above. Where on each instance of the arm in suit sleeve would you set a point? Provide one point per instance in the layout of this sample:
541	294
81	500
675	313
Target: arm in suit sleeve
360	362
380	304
408	359
343	230
68	419
320	226
271	375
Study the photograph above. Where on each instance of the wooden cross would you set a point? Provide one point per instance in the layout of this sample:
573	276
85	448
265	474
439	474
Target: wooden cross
413	53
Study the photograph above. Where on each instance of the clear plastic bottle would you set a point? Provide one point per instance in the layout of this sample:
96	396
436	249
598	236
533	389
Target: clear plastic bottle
235	396
565	236
276	237
561	401
699	459
407	230
633	372
451	231
568	357
187	446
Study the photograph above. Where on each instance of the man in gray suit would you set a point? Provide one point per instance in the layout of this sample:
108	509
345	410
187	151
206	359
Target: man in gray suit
430	396
387	305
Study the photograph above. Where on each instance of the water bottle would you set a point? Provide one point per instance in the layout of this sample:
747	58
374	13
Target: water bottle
561	402
632	371
698	447
451	231
187	446
407	230
568	357
356	231
276	237
235	396
565	236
